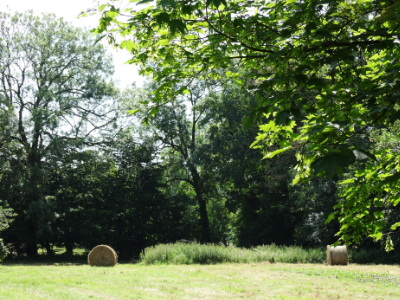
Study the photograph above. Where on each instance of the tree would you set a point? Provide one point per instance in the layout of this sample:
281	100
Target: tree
256	193
376	183
246	199
55	93
179	129
326	71
313	202
114	197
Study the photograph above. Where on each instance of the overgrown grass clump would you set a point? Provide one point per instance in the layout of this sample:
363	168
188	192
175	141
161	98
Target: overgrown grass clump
211	254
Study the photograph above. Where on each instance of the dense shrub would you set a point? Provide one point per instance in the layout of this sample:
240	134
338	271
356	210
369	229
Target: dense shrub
211	254
3	250
3	225
373	256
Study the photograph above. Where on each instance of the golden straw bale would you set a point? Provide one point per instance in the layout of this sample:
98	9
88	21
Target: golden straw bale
337	255
102	256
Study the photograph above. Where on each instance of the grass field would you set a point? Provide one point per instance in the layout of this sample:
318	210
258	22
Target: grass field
221	281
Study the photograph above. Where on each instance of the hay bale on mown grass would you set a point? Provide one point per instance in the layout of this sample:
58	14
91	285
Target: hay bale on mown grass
337	255
102	256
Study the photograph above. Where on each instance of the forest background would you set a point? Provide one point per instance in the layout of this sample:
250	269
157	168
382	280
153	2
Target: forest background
315	83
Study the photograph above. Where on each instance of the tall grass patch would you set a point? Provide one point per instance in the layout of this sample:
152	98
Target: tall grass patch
211	254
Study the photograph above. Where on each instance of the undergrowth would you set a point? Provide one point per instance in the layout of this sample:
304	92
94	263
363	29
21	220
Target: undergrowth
180	253
212	254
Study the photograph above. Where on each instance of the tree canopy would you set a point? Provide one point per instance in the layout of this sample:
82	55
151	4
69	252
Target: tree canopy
54	95
325	74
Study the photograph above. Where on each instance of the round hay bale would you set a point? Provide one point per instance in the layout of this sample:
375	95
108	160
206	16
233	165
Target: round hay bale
337	255
102	256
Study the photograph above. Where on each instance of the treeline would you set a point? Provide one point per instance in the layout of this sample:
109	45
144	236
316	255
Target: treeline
76	171
325	75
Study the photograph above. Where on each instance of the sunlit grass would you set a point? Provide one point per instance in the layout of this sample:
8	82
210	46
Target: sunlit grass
191	271
212	254
223	281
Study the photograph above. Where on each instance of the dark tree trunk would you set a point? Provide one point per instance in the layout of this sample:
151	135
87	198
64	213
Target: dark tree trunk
204	222
49	249
33	195
69	248
31	249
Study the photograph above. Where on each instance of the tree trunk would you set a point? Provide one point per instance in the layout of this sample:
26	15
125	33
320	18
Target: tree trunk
33	195
31	249
49	249
69	248
204	222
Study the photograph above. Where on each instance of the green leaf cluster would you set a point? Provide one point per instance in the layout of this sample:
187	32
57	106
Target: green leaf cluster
371	194
324	73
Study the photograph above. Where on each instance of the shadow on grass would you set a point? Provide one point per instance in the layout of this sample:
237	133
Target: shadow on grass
46	260
53	260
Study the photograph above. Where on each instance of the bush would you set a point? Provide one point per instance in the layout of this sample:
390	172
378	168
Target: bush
4	213
373	256
3	250
211	254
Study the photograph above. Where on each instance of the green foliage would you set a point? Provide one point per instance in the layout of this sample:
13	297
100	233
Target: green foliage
316	64
3	250
247	199
376	183
256	190
5	217
212	254
55	98
113	198
179	129
324	73
313	202
373	256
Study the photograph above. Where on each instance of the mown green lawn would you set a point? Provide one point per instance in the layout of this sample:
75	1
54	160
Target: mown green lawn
224	281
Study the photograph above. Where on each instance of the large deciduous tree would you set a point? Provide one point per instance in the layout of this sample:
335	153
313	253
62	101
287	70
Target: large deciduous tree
178	129
55	96
255	191
325	73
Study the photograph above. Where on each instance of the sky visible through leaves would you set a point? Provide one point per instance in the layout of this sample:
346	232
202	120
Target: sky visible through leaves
69	10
